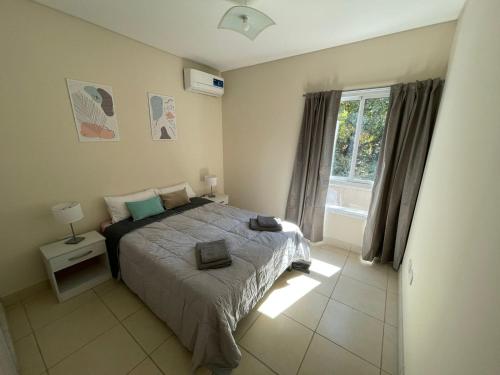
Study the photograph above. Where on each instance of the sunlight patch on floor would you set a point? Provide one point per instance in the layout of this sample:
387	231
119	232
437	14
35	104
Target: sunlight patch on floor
281	299
323	268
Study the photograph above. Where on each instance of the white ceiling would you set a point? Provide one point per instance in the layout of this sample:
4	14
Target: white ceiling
188	28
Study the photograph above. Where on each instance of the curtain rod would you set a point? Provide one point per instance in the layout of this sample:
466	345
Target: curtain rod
360	89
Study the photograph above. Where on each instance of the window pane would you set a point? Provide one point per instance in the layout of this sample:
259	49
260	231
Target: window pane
346	123
370	138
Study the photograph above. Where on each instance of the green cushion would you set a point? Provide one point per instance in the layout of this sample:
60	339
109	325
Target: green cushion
146	208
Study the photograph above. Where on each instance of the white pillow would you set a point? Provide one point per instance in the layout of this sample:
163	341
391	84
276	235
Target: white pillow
170	189
118	209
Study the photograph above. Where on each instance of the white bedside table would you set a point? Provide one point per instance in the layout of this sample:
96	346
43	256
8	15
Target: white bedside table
219	198
73	269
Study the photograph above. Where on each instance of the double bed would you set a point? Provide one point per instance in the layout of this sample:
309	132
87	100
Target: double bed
156	261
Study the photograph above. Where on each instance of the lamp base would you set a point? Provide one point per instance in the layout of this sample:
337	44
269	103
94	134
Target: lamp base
74	240
211	195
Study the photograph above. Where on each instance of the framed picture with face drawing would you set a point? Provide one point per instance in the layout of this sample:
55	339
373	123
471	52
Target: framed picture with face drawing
162	117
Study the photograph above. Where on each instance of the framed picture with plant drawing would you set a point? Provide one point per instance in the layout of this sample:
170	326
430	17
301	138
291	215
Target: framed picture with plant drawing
162	117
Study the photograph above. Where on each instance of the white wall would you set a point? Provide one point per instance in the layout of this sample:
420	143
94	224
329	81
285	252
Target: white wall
343	230
451	312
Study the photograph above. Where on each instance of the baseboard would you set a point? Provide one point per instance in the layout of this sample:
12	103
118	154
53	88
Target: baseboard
25	293
341	244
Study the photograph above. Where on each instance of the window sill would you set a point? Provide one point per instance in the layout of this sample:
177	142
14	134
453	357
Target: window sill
351	212
365	185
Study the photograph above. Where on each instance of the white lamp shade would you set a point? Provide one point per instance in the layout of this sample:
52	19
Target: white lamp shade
68	212
211	180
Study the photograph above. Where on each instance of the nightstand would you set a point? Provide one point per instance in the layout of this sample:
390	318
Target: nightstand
219	198
73	269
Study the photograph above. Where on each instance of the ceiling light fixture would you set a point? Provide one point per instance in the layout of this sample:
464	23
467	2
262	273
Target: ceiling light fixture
245	20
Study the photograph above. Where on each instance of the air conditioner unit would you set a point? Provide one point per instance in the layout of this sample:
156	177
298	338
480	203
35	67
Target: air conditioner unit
203	83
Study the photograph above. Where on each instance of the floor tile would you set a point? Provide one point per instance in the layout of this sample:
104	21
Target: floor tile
19	326
22	295
173	359
325	357
250	365
308	309
147	367
147	329
356	249
326	284
280	342
361	296
330	255
370	273
393	284
323	284
62	337
245	323
390	350
44	308
112	353
288	290
28	356
107	286
392	309
122	301
353	330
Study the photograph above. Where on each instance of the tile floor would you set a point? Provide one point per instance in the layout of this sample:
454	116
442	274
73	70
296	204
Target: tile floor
340	319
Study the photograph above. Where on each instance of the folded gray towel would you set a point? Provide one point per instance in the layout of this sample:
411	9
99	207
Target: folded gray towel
212	251
254	225
213	265
301	265
212	255
268	221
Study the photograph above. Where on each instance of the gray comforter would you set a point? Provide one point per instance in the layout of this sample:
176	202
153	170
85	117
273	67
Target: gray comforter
203	307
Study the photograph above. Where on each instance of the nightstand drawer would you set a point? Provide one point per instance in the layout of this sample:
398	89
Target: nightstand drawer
77	256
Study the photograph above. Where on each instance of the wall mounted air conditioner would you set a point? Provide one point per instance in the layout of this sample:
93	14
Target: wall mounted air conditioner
203	83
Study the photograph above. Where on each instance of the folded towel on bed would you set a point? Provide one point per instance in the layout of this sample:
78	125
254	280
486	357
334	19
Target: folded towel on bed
212	254
212	251
213	265
268	221
254	225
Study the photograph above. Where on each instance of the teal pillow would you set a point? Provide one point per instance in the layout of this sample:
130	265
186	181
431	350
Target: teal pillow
146	208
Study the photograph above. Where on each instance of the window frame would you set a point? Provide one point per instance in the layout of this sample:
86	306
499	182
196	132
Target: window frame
361	95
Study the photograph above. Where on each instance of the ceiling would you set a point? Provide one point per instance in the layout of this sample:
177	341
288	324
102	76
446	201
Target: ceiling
188	28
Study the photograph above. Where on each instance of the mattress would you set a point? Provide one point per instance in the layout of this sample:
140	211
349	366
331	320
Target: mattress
202	308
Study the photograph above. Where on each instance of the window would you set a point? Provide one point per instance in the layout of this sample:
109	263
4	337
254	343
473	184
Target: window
359	133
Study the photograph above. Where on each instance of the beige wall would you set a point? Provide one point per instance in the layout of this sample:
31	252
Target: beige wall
41	160
452	309
263	104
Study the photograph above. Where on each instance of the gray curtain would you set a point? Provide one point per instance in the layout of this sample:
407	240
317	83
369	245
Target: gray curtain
313	162
408	131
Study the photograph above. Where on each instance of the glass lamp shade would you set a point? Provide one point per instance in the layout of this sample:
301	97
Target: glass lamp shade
68	212
245	20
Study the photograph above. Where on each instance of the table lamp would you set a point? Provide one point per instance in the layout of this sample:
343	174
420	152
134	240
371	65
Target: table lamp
212	182
68	213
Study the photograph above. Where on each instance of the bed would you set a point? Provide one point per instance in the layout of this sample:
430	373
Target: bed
8	365
156	261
